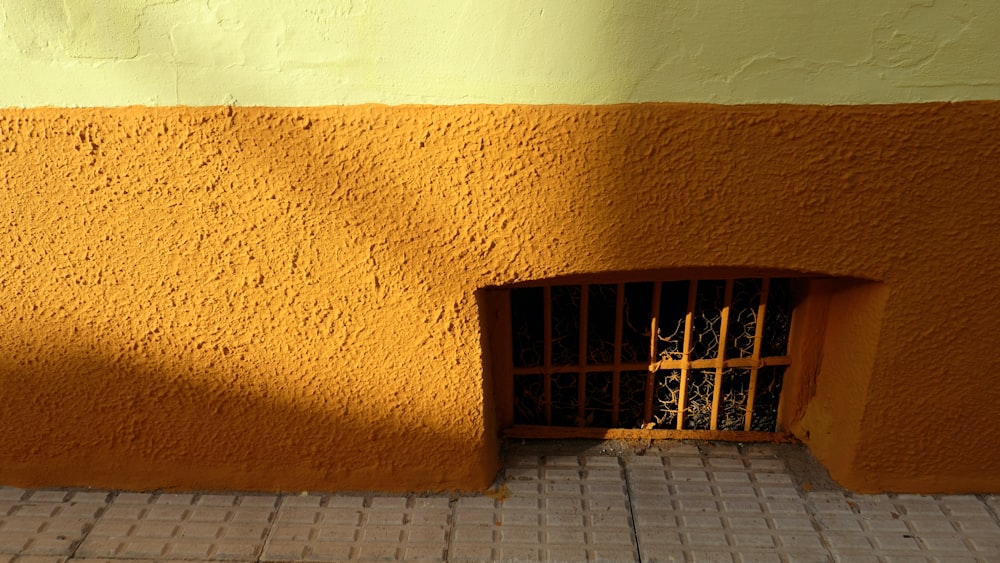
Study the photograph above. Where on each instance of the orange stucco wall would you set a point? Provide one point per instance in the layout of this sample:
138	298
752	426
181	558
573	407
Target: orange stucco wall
262	298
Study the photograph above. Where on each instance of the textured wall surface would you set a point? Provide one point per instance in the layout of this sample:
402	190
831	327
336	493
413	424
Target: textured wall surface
333	52
284	298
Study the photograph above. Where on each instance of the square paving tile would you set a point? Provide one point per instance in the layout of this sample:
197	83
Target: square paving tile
362	527
181	526
682	502
47	523
558	508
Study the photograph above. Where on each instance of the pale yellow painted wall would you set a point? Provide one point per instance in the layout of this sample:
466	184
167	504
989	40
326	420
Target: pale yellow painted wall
332	52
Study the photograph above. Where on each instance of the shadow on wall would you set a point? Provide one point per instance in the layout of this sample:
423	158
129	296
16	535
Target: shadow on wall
152	248
123	425
899	194
343	247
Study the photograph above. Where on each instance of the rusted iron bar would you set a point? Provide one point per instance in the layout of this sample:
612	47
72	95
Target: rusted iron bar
561	432
685	366
616	377
647	411
709	363
581	392
758	337
720	358
547	351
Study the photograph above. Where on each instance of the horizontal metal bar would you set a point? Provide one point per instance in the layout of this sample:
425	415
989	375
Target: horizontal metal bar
712	363
566	432
662	364
636	366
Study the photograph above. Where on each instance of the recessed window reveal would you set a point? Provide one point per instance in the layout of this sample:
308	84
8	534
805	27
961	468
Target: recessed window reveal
693	355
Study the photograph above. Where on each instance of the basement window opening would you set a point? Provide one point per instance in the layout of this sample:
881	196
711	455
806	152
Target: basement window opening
700	358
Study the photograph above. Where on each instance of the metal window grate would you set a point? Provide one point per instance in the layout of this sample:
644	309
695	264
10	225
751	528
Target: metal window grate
698	358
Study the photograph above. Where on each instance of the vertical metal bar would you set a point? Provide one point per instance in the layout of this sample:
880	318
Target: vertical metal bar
758	337
647	415
617	374
686	352
720	358
503	352
547	367
581	392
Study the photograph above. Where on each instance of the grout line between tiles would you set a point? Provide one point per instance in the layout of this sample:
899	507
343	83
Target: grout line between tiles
449	539
815	521
989	508
109	499
270	528
623	471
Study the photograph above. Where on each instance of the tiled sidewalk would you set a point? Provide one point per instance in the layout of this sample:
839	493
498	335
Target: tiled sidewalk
709	502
